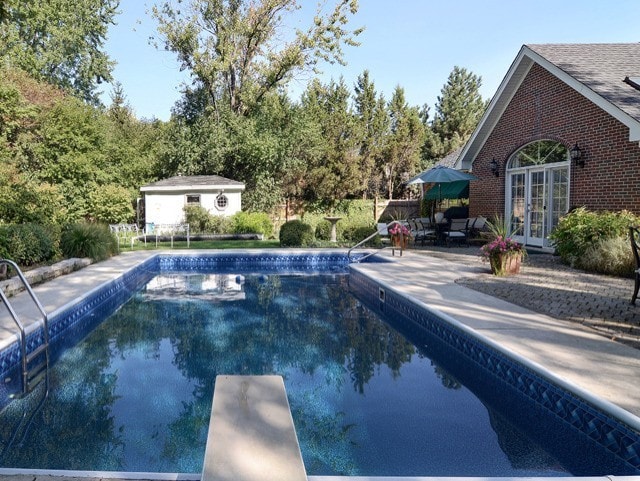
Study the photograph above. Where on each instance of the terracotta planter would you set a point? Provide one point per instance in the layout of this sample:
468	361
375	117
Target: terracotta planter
506	265
395	240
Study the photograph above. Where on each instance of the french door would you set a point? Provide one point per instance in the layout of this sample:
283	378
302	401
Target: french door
537	198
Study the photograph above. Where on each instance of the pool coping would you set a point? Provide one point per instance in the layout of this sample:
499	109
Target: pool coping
609	407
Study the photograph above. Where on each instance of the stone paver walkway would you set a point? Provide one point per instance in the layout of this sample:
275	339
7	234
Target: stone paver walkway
547	286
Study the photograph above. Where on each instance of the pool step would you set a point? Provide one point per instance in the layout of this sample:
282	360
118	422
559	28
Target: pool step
251	433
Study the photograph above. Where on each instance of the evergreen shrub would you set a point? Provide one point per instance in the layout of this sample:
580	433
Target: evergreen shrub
296	233
26	244
88	240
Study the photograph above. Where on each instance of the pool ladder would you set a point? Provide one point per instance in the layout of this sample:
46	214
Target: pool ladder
35	364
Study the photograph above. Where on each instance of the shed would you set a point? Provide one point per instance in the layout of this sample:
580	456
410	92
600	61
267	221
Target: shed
165	199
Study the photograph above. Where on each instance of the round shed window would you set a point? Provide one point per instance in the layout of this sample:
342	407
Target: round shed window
222	202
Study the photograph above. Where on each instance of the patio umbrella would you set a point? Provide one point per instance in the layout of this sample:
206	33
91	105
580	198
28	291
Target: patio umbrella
440	175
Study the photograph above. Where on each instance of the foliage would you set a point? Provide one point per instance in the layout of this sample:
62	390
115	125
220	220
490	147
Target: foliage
26	244
611	256
356	233
458	111
234	49
88	240
296	233
403	147
59	41
23	199
334	175
110	204
581	229
498	226
397	229
501	246
198	218
251	223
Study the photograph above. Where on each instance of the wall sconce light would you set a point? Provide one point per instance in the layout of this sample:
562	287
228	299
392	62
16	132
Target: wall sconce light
494	167
576	155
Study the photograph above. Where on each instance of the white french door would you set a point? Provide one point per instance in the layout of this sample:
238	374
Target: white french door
537	198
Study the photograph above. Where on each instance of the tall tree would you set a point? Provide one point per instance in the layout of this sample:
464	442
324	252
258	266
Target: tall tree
402	157
235	49
335	174
458	111
372	115
59	41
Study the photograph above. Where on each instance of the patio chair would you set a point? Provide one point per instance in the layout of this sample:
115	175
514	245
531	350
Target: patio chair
634	234
416	231
429	232
457	231
383	232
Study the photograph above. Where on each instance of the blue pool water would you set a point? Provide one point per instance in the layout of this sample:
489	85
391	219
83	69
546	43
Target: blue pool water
368	397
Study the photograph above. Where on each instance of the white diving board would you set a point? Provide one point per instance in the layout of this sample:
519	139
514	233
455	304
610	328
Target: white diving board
251	434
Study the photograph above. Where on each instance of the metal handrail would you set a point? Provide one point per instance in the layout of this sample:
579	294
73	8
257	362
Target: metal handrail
377	232
14	316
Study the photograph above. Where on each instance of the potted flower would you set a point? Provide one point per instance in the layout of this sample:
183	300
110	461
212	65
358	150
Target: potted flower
504	255
502	251
400	235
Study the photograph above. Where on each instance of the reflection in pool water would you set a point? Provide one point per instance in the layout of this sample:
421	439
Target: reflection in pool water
136	394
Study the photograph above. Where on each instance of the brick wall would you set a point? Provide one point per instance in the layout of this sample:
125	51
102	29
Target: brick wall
546	108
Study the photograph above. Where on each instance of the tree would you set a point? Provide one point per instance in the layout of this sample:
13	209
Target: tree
234	49
372	114
59	41
403	148
335	174
458	111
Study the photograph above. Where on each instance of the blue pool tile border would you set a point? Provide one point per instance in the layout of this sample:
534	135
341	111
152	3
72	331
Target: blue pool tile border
611	433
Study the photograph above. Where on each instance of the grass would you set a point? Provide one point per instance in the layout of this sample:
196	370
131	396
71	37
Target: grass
209	244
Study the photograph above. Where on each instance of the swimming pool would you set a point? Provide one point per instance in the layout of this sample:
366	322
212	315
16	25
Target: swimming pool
371	368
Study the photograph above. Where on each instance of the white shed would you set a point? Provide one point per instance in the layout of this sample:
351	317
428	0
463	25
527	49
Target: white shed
164	200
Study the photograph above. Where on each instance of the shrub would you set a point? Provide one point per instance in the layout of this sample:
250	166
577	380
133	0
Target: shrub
88	240
611	256
581	229
358	233
26	244
296	233
110	204
198	218
323	230
251	223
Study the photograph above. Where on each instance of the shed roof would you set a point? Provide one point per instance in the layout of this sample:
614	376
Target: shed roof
597	71
193	182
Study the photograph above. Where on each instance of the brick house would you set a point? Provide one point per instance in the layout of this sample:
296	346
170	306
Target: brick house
562	131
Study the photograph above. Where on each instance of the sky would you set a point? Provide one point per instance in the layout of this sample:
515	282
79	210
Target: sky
411	43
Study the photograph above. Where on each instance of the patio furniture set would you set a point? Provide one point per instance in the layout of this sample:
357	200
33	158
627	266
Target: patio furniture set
444	233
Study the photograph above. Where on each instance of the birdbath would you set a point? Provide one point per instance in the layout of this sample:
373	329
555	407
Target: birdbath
334	221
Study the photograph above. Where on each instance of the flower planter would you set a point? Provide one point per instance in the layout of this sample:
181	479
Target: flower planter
395	240
507	264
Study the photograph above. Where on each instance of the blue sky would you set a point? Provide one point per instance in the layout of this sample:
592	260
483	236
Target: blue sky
411	43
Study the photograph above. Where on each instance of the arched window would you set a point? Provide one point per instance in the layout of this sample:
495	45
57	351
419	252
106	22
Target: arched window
540	152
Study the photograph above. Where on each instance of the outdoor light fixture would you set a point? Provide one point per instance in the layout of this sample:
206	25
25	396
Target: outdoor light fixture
576	155
495	168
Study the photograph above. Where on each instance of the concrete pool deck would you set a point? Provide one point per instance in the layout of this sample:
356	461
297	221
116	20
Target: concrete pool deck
580	356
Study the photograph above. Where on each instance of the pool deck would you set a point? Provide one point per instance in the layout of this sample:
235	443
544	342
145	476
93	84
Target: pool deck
577	355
